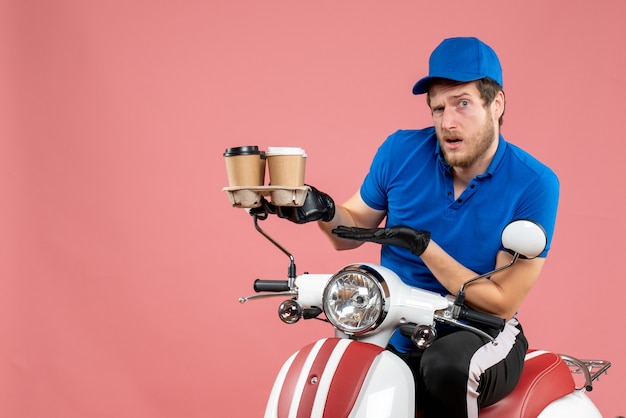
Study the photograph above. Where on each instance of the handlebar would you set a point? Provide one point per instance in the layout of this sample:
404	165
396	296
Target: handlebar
271	285
481	318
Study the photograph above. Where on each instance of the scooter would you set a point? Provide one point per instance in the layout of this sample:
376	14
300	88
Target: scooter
352	375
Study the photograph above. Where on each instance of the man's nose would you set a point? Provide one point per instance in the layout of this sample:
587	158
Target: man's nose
447	119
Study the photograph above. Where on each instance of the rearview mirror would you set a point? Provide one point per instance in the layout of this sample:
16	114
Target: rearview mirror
524	237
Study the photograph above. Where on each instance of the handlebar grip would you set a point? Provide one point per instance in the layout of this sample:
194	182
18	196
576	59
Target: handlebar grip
271	285
483	318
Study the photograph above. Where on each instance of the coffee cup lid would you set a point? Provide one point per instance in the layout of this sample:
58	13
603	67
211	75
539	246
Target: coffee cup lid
246	150
285	151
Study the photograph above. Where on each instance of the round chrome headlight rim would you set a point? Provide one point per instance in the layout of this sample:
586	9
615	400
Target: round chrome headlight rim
356	299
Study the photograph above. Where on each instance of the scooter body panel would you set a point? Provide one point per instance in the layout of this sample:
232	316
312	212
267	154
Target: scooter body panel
388	390
575	405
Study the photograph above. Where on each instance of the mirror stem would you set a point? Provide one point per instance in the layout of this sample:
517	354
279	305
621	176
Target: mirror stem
291	273
460	297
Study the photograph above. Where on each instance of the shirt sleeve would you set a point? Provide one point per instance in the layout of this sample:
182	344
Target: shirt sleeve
373	189
540	204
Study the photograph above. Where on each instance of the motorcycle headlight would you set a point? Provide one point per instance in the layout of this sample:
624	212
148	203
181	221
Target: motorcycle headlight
355	299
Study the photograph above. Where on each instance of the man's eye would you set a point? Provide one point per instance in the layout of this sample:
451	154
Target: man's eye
463	103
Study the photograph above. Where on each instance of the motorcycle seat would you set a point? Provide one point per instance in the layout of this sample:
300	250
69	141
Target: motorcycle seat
545	378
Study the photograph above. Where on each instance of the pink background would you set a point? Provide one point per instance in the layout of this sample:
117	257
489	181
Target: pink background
122	260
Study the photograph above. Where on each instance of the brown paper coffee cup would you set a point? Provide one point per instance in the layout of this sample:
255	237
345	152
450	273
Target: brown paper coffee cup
245	166
286	166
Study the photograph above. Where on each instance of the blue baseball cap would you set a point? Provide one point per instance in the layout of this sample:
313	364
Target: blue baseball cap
461	59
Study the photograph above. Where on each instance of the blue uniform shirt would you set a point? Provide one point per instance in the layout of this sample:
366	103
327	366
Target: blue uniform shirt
410	180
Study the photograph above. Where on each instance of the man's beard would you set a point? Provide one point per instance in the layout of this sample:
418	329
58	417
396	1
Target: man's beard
476	148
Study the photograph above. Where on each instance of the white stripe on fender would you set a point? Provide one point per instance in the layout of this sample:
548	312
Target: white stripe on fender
327	377
302	379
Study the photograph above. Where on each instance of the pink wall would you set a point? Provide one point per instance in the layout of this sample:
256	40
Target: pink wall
122	260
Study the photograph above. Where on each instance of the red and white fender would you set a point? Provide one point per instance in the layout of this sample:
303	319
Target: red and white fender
342	378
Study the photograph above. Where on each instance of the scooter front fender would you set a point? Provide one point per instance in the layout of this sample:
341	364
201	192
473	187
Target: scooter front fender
340	377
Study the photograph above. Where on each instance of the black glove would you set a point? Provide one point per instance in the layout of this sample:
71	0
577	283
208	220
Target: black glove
402	236
317	206
266	208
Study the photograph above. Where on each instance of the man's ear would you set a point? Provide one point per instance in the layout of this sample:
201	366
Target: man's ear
497	105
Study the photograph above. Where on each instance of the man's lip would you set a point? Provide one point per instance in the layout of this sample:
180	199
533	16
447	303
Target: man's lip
453	143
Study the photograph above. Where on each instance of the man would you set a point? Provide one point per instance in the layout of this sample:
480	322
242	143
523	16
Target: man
462	182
